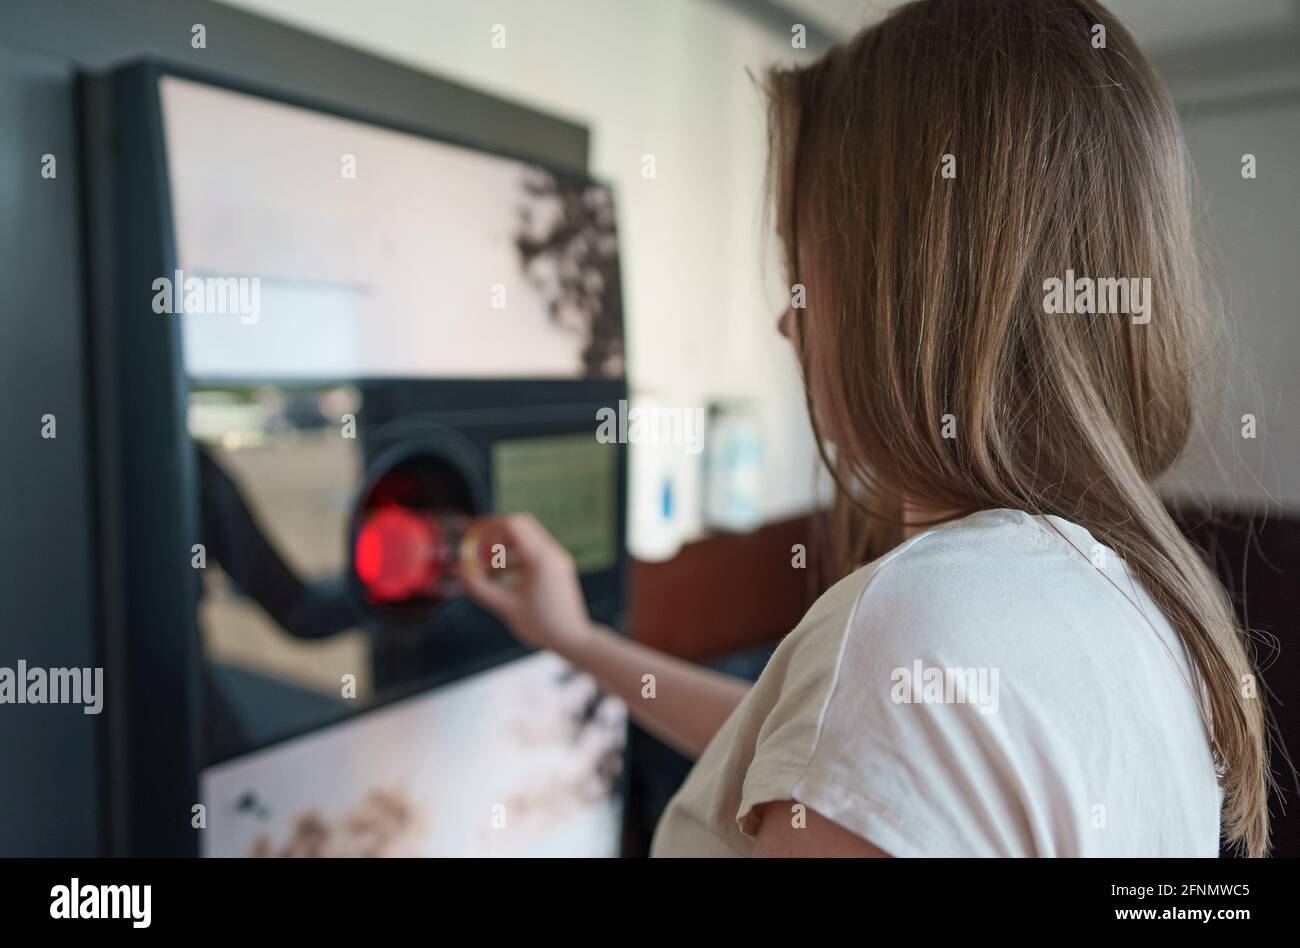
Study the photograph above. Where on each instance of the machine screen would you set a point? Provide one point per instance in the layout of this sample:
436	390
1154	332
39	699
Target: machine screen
568	483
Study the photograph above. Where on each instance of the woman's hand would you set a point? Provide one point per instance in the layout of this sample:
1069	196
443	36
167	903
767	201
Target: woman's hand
527	580
535	592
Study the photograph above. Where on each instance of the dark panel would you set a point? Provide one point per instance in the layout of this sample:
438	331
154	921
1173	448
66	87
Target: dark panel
1257	558
148	520
48	795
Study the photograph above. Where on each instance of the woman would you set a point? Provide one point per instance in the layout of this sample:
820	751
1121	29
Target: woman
1036	662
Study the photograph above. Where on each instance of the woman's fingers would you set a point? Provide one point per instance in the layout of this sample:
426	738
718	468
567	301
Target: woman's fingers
485	589
524	576
508	543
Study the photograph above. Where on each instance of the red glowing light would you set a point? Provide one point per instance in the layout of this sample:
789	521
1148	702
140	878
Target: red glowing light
398	554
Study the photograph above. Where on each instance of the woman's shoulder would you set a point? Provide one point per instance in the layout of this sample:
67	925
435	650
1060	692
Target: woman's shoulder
949	584
994	662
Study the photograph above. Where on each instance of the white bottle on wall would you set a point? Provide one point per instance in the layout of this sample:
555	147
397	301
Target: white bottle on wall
734	468
664	476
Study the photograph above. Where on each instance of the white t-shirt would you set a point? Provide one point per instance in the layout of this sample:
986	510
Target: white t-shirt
988	688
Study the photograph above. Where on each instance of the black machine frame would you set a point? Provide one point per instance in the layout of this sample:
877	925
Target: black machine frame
148	516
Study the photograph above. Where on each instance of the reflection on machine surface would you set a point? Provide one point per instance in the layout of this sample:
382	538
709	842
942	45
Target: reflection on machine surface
522	760
428	332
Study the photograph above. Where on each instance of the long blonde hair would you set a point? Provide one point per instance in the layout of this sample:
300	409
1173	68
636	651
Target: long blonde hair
928	177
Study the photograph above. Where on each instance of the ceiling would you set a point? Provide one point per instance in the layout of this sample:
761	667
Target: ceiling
1157	24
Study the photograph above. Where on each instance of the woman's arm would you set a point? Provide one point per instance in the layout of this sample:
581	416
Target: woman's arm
681	703
791	830
536	593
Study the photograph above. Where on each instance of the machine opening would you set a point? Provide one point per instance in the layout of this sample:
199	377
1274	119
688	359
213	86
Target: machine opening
408	531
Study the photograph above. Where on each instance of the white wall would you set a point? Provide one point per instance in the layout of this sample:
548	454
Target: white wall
665	78
1253	232
1241	95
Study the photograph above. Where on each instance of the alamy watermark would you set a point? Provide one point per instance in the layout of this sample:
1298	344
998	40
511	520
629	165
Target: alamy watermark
78	900
922	684
1128	296
646	424
32	685
179	295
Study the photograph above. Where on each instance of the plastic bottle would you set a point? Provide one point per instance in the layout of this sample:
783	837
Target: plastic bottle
402	554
